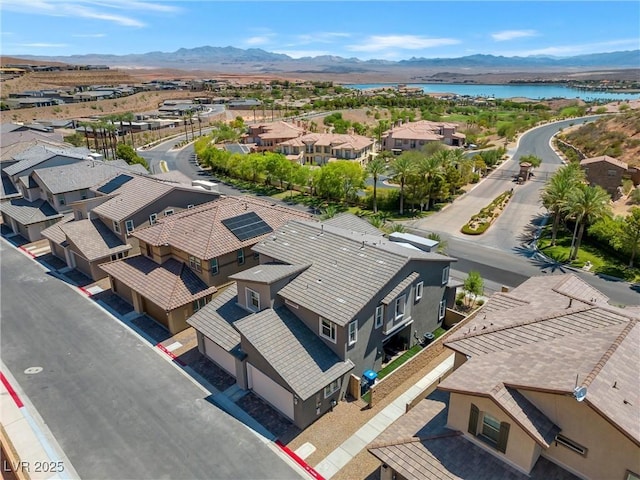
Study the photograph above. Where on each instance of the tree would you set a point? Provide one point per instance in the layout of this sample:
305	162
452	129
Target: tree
585	205
630	234
401	168
375	168
129	155
556	192
379	129
532	159
443	245
474	286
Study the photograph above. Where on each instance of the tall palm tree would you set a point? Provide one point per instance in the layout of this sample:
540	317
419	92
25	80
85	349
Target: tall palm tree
129	117
586	204
557	191
401	168
375	168
430	168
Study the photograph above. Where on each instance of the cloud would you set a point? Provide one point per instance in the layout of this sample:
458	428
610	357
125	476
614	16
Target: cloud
258	40
378	43
89	35
579	49
104	10
512	34
42	45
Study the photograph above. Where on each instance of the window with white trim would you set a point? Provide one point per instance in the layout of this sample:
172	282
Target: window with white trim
328	329
116	226
241	257
198	304
379	316
153	218
195	264
490	428
353	332
332	388
419	290
253	300
442	310
117	256
213	265
128	225
399	308
445	275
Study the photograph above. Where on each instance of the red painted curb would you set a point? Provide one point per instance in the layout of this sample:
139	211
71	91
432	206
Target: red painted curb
85	291
310	470
11	391
27	252
171	355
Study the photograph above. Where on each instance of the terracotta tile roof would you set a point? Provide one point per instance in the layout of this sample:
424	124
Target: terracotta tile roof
334	140
543	346
606	159
419	446
170	285
93	239
280	129
200	232
303	361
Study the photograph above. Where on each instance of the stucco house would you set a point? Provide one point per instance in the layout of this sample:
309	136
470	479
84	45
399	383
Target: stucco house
546	386
415	135
100	226
265	137
322	148
324	302
606	172
212	242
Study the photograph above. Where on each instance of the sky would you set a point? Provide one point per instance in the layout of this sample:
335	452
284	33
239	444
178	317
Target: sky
390	30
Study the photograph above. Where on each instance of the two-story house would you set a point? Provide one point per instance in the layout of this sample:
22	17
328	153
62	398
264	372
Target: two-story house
323	302
321	148
100	227
546	385
607	172
415	135
211	242
265	137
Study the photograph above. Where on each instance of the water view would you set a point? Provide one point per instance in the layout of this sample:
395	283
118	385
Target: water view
535	92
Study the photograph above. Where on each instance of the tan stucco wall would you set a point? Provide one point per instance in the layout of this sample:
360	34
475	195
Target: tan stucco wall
261	289
582	424
522	451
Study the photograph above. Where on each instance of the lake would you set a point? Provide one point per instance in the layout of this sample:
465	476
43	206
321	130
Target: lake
535	92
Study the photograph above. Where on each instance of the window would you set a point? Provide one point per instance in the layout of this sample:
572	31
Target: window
198	304
129	226
213	265
117	256
445	274
419	290
332	388
492	431
253	300
353	332
194	263
399	308
241	257
571	445
256	256
328	329
84	194
379	317
49	196
168	212
153	218
442	310
148	249
398	142
116	227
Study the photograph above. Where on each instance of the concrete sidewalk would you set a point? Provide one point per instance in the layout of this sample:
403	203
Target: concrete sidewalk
342	455
33	452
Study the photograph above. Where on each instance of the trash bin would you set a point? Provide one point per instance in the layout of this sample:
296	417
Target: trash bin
369	377
428	338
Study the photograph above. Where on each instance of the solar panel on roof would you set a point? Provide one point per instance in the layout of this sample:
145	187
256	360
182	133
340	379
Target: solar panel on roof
246	226
114	184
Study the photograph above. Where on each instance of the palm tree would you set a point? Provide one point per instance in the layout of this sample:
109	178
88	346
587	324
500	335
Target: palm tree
128	117
430	168
586	204
401	168
375	168
557	191
442	244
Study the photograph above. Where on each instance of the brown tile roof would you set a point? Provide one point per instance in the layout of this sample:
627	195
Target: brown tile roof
170	285
200	232
93	239
334	140
543	345
606	159
419	446
54	232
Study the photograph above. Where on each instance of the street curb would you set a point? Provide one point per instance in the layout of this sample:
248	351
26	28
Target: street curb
170	354
26	252
310	470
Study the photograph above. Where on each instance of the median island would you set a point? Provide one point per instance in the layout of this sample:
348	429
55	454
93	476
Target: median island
479	223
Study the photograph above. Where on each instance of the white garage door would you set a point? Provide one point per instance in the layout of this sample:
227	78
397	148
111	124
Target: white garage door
270	391
220	356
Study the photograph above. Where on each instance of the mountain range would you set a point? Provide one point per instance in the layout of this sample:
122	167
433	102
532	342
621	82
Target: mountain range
255	60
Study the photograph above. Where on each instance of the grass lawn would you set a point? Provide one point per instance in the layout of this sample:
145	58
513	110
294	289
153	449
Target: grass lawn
602	262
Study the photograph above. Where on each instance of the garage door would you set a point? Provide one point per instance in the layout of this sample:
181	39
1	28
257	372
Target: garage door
223	358
270	391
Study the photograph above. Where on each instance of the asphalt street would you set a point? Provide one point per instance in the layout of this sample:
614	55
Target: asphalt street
117	408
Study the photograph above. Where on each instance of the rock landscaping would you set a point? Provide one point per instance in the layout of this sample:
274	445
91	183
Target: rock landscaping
479	223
